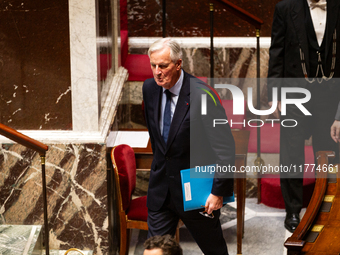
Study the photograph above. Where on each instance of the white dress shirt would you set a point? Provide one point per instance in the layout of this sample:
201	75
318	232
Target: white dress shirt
319	16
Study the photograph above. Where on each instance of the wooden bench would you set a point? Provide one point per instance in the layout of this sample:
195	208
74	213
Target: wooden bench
319	230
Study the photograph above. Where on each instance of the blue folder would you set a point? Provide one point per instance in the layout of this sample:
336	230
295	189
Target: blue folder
196	188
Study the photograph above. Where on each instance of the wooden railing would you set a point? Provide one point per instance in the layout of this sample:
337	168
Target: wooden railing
24	140
41	148
296	242
243	14
257	23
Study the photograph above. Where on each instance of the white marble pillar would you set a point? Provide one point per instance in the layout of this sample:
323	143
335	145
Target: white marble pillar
84	84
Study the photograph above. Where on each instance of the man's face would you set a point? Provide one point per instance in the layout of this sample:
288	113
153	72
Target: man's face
165	72
153	252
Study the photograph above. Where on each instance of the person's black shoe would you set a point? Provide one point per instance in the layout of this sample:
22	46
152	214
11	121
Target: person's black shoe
292	221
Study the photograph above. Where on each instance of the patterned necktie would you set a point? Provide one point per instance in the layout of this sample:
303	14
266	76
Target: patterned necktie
167	116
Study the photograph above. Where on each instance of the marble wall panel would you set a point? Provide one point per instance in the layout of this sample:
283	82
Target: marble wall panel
191	18
76	177
35	65
83	48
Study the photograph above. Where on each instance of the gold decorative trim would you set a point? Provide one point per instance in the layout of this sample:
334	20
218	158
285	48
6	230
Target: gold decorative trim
332	169
317	228
42	158
329	198
73	249
257	32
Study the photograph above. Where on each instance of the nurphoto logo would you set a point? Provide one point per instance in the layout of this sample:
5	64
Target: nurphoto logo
238	105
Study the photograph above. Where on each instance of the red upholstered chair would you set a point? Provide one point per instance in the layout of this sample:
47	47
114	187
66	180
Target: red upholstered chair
133	213
138	66
105	61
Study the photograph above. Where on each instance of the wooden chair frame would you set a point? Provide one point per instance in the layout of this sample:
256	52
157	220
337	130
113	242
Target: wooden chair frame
125	224
296	243
241	138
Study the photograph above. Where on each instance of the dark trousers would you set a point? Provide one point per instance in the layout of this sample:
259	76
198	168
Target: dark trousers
292	159
323	106
207	232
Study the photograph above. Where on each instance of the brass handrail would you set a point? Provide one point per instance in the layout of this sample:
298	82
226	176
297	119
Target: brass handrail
257	23
41	148
73	249
14	135
243	14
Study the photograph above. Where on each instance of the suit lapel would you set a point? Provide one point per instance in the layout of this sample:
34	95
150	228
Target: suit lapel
182	108
298	17
157	94
332	17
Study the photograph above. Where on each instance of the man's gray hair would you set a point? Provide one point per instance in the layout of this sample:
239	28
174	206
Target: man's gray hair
175	48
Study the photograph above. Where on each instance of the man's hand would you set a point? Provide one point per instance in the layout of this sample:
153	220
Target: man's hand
213	203
335	131
277	111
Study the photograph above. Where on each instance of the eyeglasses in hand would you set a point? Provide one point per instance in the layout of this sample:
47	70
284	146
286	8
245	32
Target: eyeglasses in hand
205	214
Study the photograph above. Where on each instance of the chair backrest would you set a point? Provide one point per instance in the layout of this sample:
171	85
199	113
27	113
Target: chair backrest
270	138
235	121
241	138
124	164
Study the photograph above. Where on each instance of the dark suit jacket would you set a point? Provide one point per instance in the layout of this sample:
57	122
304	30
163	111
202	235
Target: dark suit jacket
205	144
289	35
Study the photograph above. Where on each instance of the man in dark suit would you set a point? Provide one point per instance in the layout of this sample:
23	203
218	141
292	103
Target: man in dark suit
180	141
305	38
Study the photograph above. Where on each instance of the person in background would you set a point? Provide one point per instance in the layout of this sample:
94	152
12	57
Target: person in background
173	116
305	45
162	245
